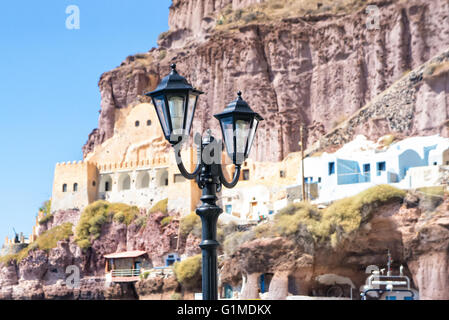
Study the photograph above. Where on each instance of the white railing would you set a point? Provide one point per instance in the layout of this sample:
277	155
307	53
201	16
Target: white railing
126	273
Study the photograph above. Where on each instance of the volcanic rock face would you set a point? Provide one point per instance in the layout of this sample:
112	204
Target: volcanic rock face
43	275
316	70
417	237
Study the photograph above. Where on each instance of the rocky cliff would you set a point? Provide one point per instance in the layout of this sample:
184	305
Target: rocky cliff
42	272
415	230
296	62
297	252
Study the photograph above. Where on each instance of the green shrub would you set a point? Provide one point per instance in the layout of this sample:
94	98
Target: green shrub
164	35
84	243
49	239
46	241
161	206
166	221
162	54
430	197
46	207
119	217
6	259
289	219
46	218
264	230
344	214
190	223
432	191
145	275
235	240
176	296
225	230
124	212
188	272
141	221
98	213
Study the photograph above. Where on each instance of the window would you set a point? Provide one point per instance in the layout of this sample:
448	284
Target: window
124	182
282	174
319	180
148	122
94	183
366	174
107	187
366	168
162	177
137	123
143	180
178	178
228	208
331	168
435	163
381	166
246	175
75	187
64	187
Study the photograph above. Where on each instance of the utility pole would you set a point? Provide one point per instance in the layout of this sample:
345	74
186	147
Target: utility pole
301	144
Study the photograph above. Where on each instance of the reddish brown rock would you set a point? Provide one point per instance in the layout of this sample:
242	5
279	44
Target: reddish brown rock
299	70
417	238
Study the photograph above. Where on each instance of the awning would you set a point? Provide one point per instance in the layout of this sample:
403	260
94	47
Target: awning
126	254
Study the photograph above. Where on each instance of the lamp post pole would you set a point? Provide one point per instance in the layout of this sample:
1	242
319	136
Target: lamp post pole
301	143
175	102
209	213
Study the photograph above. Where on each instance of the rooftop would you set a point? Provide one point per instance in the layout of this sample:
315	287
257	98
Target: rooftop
126	254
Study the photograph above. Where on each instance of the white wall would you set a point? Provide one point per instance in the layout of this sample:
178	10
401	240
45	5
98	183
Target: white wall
141	197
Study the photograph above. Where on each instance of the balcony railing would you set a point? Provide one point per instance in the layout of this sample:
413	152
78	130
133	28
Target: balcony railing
123	273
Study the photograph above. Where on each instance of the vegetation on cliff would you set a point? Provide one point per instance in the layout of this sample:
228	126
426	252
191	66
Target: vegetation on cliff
190	223
274	10
98	213
188	271
341	217
46	210
46	241
161	206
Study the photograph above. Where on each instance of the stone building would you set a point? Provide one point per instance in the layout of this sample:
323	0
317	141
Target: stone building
136	166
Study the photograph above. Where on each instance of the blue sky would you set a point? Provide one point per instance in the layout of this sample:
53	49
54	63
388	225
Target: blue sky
48	84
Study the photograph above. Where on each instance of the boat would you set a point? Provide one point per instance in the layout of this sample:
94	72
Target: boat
388	287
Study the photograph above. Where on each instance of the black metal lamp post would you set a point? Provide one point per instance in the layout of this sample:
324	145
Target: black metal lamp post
175	102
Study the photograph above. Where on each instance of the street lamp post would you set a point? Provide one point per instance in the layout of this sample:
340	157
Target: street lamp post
175	102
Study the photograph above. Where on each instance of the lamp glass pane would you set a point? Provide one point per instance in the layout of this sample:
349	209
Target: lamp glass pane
252	134
241	132
176	108
159	103
228	134
190	112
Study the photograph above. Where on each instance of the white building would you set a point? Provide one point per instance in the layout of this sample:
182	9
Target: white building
411	163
